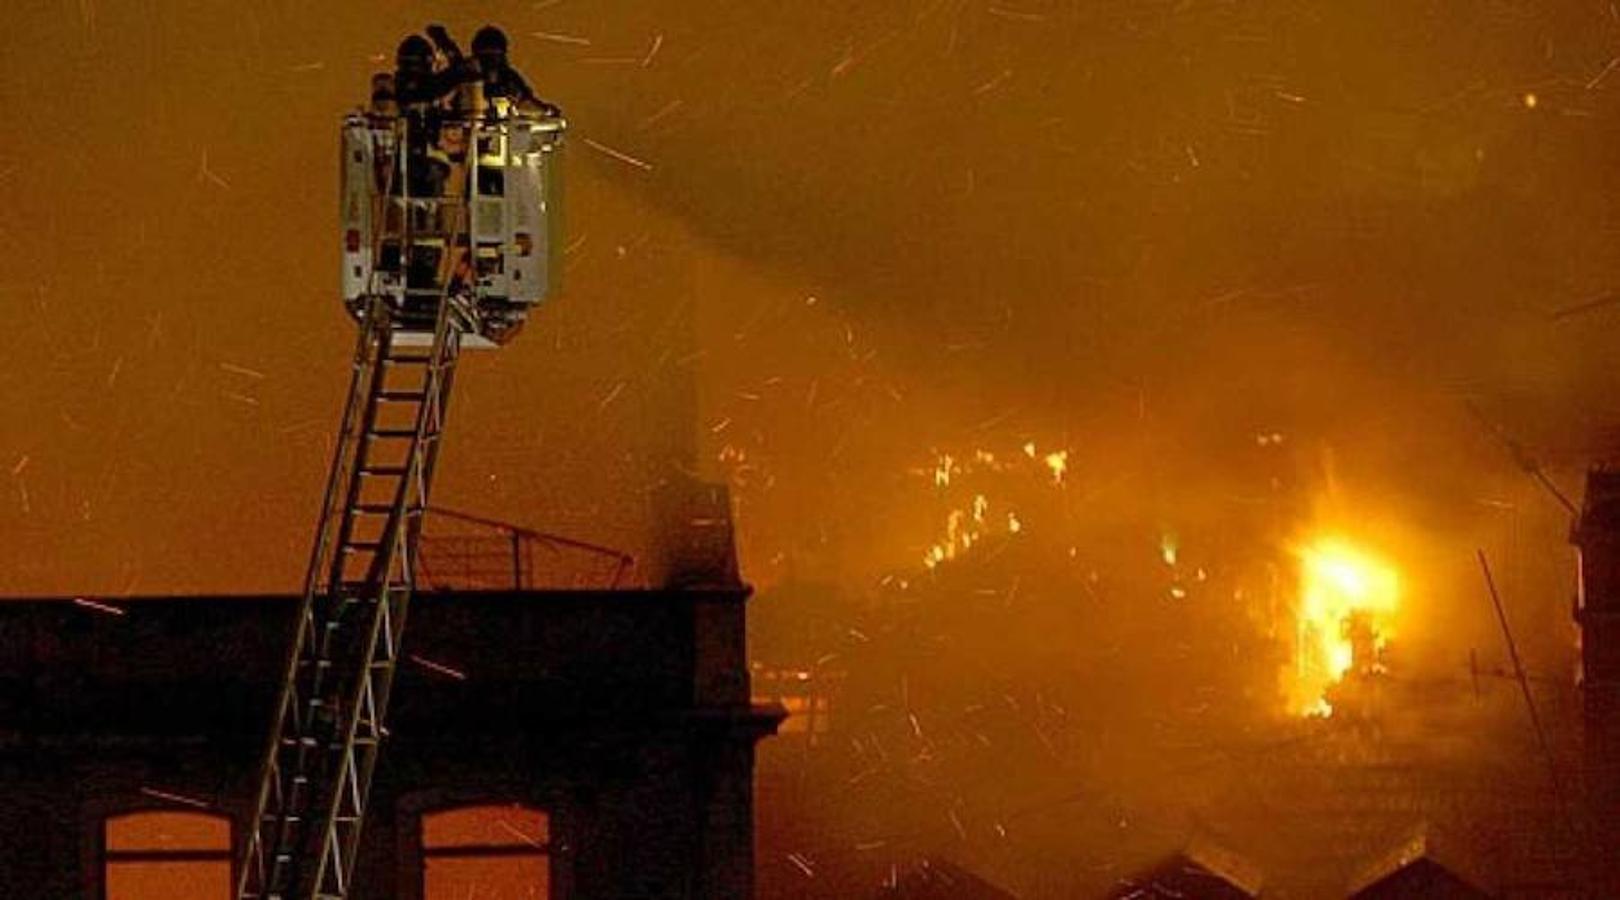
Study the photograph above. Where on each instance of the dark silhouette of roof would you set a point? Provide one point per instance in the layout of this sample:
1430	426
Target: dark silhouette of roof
1412	871
1202	871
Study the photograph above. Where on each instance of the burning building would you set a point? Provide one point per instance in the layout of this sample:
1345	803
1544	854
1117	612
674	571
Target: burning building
1058	706
1164	246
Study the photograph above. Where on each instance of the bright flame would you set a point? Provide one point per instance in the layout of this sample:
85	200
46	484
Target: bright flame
1346	603
1059	463
1168	549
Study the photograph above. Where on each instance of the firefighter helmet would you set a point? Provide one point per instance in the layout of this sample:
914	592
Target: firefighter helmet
489	41
414	53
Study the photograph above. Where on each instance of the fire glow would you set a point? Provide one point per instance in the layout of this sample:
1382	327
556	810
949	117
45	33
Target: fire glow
970	517
1347	602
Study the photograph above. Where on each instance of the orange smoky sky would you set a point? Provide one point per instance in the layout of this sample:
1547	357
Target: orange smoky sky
854	233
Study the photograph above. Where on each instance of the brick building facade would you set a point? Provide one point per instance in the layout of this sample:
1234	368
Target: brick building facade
601	742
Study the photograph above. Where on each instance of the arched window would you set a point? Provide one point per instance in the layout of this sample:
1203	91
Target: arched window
165	855
493	852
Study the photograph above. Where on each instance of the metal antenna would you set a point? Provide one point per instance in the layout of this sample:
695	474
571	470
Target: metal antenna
1522	459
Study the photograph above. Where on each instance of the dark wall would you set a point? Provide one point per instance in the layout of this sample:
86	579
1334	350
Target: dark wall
625	715
1597	614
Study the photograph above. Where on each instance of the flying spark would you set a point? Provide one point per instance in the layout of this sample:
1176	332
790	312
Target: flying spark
652	51
561	38
662	112
619	155
993	83
441	668
240	370
204	173
99	607
1015	15
175	798
611	396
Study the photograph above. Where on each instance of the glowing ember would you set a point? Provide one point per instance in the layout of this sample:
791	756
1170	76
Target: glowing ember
1346	603
1059	463
968	512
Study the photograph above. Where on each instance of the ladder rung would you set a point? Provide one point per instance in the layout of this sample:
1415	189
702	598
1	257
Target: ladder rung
382	470
366	589
308	736
382	509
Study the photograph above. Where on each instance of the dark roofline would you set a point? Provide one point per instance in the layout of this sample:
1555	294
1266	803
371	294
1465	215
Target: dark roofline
737	593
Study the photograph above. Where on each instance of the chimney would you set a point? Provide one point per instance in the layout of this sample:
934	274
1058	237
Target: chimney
700	543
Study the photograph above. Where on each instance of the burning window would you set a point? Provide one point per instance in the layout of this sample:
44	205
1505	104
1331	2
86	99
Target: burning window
490	852
164	855
1347	602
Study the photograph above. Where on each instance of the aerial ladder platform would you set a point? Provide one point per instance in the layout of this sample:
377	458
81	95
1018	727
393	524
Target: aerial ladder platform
443	251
